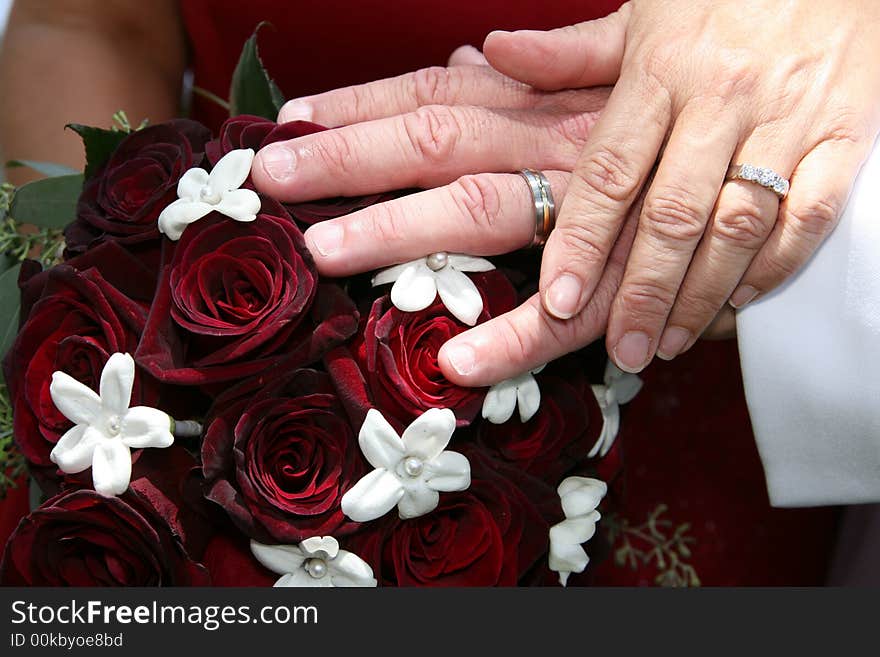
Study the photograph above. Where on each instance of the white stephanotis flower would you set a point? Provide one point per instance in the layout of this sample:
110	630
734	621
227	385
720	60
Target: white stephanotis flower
106	428
418	282
579	496
317	561
200	193
504	397
620	388
410	471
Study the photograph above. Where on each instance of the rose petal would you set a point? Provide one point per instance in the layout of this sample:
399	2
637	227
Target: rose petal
75	449
463	262
500	402
281	559
417	501
528	397
311	547
111	468
415	289
429	434
180	214
348	569
373	496
191	183
239	204
77	402
117	381
232	170
379	442
459	294
449	471
389	275
143	426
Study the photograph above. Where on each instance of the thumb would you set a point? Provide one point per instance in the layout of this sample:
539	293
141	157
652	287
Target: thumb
583	55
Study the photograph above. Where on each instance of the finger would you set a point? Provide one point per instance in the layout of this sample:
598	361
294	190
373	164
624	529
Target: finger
723	326
615	162
582	55
820	187
674	218
467	56
527	336
432	146
483	214
477	85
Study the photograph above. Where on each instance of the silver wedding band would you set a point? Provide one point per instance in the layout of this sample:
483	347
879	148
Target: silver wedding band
545	207
762	176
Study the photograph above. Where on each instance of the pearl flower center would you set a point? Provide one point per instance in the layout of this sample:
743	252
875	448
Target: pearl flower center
412	466
317	568
437	261
208	195
113	425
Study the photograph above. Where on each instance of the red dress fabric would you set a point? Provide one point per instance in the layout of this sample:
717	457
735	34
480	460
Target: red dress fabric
686	438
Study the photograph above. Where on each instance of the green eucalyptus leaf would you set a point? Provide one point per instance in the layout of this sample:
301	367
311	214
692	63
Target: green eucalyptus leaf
47	203
10	303
252	90
99	143
50	169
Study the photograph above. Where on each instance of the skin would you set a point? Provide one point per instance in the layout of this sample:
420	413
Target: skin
698	85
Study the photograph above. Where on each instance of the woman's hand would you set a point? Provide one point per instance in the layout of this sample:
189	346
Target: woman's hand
793	86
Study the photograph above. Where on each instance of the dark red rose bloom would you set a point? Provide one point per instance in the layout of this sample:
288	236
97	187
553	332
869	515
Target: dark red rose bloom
492	534
238	297
230	562
75	316
80	538
246	131
279	460
559	436
122	201
392	365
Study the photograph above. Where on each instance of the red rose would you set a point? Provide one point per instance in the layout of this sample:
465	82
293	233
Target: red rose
80	538
123	200
279	460
246	131
395	365
238	297
560	435
492	534
75	316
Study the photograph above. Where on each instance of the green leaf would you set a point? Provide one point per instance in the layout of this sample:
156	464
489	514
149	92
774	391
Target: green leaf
47	203
99	144
10	303
252	90
46	168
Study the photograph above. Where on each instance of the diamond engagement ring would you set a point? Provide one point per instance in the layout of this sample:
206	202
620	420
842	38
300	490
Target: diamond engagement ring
545	207
761	175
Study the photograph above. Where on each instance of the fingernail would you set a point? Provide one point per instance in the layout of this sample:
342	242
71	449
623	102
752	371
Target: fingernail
672	342
742	295
296	110
325	237
631	352
563	296
462	358
277	161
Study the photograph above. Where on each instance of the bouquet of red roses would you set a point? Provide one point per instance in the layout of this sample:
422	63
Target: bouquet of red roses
199	406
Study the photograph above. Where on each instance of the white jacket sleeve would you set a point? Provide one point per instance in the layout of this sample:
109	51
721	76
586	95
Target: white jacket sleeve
810	356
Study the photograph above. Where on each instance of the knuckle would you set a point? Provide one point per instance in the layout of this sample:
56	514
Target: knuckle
670	216
435	85
582	240
814	217
433	132
608	173
771	270
694	309
386	224
337	152
478	199
744	226
645	299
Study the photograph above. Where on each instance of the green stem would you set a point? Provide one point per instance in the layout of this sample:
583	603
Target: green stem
204	93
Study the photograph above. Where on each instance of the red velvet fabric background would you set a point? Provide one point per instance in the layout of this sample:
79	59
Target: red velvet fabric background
686	438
